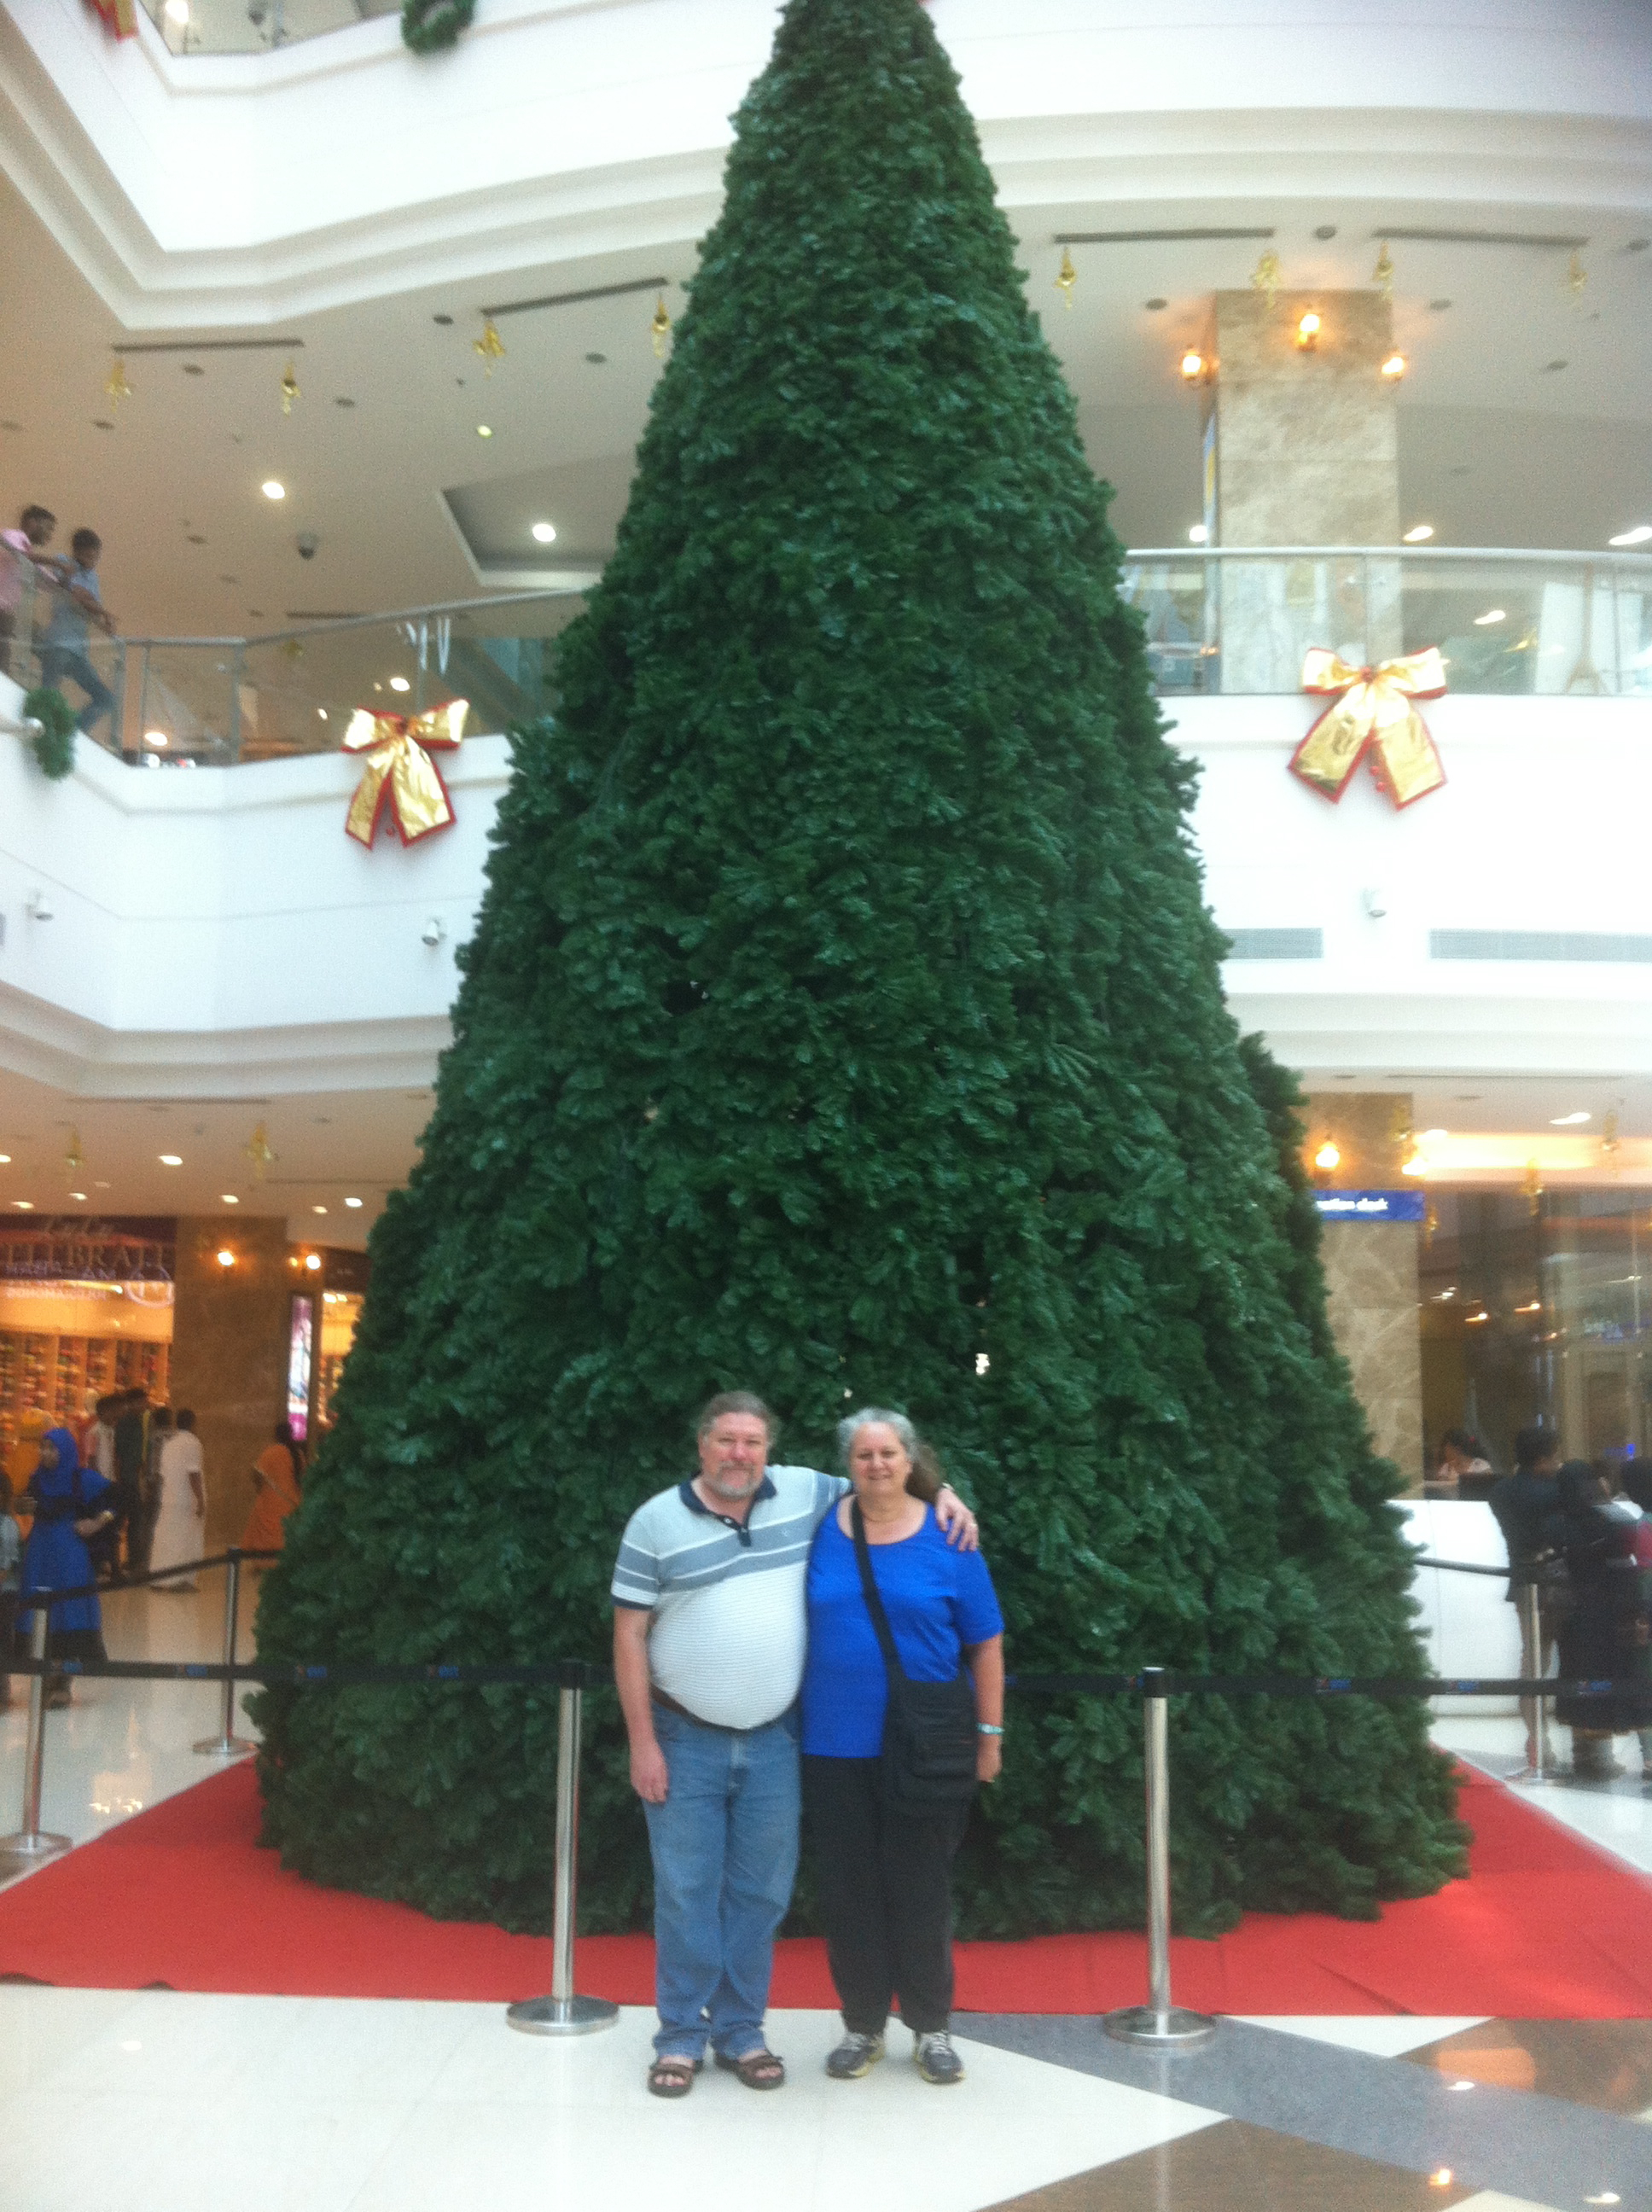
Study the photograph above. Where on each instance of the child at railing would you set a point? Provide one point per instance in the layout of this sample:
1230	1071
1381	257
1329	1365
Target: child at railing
32	536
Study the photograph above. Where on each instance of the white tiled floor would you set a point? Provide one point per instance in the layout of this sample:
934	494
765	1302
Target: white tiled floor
1616	1815
162	2103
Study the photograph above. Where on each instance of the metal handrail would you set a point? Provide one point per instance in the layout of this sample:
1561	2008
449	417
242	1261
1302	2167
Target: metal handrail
1387	553
369	622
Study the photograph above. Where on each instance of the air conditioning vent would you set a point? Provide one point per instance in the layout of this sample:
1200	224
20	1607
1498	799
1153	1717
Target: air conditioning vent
1535	944
1276	944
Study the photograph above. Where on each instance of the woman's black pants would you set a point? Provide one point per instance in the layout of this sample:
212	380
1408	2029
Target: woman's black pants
885	1887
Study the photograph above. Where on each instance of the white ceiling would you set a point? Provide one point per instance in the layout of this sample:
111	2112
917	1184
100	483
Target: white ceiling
1495	448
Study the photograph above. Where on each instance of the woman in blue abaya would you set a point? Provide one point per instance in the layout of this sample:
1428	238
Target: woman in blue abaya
69	1507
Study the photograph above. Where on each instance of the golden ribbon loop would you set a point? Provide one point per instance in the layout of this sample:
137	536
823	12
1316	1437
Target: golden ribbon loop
1372	710
399	770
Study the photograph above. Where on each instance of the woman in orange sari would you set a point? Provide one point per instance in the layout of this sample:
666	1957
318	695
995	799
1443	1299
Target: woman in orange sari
275	1471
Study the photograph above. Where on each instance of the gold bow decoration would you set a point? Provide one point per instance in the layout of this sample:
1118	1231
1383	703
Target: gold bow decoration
1372	711
400	772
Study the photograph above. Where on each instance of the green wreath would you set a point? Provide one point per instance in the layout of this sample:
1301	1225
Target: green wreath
54	741
428	27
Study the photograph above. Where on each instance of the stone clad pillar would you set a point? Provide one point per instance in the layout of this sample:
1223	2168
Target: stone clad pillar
1371	1270
229	1353
1306	453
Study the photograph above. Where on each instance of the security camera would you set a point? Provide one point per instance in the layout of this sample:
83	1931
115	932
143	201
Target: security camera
435	930
306	541
1375	901
41	906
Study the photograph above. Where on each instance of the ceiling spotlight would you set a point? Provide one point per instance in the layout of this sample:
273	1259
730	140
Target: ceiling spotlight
156	737
24	1205
226	1257
352	1201
1637	536
5	1159
178	12
1570	1121
318	1209
1307	331
230	1199
272	488
1193	366
545	532
1394	368
79	1197
484	429
1418	534
1198	535
313	1262
321	714
171	1159
399	683
1491	615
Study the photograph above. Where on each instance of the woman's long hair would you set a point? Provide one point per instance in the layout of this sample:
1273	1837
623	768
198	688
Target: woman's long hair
926	1476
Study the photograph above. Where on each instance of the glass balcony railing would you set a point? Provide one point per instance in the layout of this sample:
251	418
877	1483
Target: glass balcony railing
1228	622
254	27
1240	621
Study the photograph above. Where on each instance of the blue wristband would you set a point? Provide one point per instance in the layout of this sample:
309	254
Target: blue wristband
985	1727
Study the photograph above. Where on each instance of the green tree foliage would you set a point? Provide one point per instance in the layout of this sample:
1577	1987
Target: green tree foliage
844	1021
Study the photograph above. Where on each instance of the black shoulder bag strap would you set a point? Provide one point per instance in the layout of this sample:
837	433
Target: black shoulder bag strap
929	1728
874	1602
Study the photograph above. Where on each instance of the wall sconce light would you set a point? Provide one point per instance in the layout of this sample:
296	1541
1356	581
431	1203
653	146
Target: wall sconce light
1393	368
225	1258
1328	1159
313	1262
1307	331
1195	370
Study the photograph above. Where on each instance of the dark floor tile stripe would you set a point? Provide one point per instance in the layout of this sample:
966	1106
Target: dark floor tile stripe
1523	2144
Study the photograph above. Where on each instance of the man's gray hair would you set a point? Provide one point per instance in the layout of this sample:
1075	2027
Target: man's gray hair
910	1441
735	1402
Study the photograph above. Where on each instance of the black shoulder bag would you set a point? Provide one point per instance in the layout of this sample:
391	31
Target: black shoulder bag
929	1728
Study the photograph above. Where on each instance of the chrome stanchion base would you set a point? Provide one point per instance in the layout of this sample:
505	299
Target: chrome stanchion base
224	1747
38	1845
1175	2029
562	2015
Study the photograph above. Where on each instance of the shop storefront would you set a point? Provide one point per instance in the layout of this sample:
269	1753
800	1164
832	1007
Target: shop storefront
83	1314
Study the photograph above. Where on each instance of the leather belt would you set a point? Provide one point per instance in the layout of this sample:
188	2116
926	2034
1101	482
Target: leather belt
718	1728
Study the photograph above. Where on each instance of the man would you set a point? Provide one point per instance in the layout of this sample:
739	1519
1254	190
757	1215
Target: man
131	1450
709	1630
1522	1503
32	536
77	603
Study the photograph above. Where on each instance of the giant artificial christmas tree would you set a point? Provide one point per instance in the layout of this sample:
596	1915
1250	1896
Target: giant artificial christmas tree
843	1022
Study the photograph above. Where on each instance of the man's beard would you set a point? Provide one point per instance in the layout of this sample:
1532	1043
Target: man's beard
732	1486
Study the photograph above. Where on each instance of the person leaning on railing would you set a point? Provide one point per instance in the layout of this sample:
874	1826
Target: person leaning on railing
17	562
77	603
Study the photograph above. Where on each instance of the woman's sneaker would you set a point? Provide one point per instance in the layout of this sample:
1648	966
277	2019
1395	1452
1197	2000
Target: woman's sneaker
855	2055
936	2060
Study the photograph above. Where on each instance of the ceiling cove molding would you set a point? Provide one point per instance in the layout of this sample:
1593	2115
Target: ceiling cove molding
236	191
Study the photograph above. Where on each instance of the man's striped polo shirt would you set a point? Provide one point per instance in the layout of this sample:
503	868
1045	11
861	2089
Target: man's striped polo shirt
730	1625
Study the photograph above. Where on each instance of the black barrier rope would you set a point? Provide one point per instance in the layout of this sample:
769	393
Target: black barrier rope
1457	1566
32	1601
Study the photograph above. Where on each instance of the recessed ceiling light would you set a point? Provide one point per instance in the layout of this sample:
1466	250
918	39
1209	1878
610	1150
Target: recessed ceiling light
596	360
1198	535
446	321
352	1201
1637	536
157	737
171	1159
1419	533
1491	615
190	368
318	1209
24	1205
343	403
484	430
272	488
546	533
5	1159
400	683
1438	306
1325	230
1154	307
230	1199
1551	367
98	423
79	1197
1570	1121
321	714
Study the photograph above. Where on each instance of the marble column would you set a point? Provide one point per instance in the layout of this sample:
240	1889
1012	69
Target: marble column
229	1353
1370	1269
1306	454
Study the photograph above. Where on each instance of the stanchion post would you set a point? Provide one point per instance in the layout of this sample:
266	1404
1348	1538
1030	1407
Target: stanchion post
31	1841
563	2013
226	1744
1531	1622
1158	2023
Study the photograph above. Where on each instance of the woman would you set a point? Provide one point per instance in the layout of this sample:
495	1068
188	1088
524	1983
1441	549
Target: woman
69	1508
1604	1636
180	1518
884	1875
276	1476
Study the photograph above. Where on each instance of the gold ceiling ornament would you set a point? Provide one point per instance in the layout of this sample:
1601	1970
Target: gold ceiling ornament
1265	276
660	330
399	773
1577	278
1532	1184
258	1149
1609	1139
75	1159
1382	275
1372	711
490	347
1066	277
117	387
290	390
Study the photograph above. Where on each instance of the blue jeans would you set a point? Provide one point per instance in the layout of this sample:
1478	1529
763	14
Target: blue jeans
58	661
725	1847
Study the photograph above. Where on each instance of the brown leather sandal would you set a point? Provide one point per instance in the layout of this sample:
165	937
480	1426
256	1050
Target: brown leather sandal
758	2069
672	2075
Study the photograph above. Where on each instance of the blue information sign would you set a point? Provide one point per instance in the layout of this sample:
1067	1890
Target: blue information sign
1372	1204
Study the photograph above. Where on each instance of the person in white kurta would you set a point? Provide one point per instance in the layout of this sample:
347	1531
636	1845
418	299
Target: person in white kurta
180	1522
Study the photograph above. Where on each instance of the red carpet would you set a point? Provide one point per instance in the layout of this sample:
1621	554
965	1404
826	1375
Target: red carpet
1546	1927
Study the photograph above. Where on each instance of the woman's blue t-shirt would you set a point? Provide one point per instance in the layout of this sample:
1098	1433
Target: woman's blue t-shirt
938	1599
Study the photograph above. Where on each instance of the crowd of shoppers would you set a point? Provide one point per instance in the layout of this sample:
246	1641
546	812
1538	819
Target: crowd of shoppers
74	607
